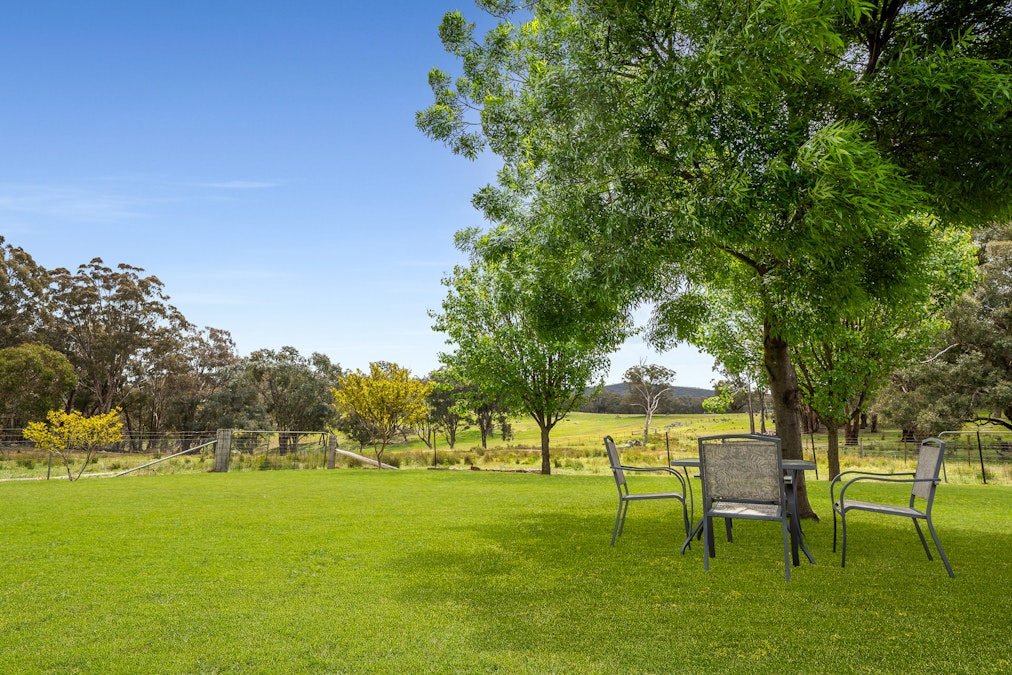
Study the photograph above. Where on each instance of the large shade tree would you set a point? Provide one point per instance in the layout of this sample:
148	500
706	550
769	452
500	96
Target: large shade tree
844	364
782	151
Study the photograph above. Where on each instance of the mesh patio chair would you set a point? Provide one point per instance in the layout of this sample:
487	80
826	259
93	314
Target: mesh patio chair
625	496
923	482
742	476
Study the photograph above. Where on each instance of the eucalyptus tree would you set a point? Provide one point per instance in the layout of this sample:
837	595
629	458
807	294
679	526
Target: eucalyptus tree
726	326
488	317
294	390
966	373
648	384
22	296
447	401
787	152
109	322
177	381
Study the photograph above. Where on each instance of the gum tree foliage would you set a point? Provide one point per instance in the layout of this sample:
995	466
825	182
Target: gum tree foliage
293	390
966	375
111	324
34	379
648	384
786	151
177	382
207	359
22	291
384	400
67	433
489	318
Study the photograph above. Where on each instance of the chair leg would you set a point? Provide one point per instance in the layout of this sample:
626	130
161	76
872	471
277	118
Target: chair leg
924	542
625	510
618	516
787	554
707	524
834	528
685	518
843	547
727	526
941	551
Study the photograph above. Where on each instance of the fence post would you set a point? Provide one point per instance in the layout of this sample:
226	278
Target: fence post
222	450
331	451
980	450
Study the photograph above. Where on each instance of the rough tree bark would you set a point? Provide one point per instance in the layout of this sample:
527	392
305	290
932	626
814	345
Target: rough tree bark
786	407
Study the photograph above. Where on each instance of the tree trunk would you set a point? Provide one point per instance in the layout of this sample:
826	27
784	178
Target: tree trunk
851	430
751	411
546	464
833	450
786	407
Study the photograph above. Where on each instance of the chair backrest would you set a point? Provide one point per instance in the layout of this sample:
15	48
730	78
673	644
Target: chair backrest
616	465
929	465
741	467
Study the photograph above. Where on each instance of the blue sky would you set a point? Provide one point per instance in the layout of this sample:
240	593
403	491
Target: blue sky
260	158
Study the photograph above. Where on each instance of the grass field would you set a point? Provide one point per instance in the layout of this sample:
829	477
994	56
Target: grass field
423	571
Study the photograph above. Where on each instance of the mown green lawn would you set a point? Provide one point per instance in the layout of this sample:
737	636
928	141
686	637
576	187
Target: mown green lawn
460	572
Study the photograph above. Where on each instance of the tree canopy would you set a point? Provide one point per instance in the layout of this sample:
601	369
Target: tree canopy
489	318
34	379
800	155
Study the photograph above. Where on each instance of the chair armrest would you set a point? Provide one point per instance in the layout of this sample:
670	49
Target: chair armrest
665	469
881	478
648	468
839	476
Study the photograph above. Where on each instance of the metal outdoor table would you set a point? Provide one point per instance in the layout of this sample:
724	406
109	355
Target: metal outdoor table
792	467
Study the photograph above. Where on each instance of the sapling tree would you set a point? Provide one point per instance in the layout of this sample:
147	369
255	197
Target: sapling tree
384	400
68	433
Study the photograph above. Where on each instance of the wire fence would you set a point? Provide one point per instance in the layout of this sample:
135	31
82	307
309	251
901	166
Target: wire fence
973	456
274	450
970	456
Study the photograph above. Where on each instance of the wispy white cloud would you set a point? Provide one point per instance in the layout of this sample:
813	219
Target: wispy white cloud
242	275
242	185
67	203
212	299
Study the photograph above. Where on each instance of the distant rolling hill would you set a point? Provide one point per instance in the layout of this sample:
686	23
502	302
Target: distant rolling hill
692	392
